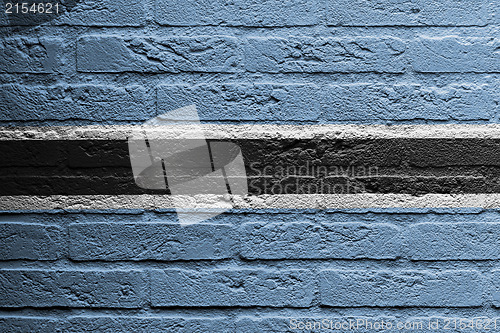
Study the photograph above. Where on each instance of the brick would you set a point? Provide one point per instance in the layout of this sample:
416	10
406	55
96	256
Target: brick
31	241
112	54
43	288
366	102
496	288
30	324
105	13
158	241
231	287
71	185
454	152
267	101
414	13
328	55
318	158
304	240
116	324
95	154
253	13
31	55
99	103
35	153
5	19
268	324
445	241
348	288
76	157
455	55
496	13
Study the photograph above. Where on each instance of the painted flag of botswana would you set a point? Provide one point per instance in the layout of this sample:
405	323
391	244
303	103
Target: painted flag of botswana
341	172
279	160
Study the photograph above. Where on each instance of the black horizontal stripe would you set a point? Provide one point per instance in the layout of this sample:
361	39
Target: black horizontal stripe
278	166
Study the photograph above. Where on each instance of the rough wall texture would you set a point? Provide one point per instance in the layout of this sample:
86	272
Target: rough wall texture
252	61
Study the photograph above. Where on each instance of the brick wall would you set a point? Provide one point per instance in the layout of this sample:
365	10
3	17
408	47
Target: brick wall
252	62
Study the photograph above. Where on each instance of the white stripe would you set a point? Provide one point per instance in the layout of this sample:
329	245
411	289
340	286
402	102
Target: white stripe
284	201
218	131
